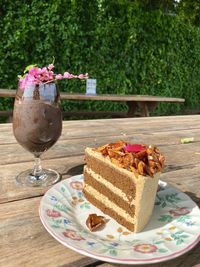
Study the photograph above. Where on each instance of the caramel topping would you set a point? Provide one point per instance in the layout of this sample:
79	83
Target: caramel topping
95	221
137	158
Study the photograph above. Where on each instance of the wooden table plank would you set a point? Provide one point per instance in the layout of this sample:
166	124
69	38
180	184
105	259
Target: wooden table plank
110	127
74	129
14	153
25	242
175	169
74	138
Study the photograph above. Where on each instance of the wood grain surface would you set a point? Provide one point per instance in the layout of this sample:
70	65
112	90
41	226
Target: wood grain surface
25	242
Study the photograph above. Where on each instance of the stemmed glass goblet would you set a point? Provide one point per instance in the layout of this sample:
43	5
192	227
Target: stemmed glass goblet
37	125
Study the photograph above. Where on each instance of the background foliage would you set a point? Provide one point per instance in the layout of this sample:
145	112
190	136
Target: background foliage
132	47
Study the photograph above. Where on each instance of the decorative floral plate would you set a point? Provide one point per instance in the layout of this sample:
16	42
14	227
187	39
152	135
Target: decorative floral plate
174	227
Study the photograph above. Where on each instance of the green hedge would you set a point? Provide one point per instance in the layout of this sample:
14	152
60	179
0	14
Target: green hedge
125	47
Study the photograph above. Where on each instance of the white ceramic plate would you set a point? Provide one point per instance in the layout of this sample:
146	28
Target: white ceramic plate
174	227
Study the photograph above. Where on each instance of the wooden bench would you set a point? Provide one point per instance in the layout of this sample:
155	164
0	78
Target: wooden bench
142	103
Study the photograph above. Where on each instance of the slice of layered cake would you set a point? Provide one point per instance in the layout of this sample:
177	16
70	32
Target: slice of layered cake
121	180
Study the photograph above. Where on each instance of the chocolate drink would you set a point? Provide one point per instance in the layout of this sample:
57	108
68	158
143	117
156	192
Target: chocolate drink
37	124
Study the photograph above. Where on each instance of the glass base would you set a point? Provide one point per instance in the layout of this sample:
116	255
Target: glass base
46	178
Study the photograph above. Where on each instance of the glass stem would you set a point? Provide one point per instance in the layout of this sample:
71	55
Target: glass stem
37	169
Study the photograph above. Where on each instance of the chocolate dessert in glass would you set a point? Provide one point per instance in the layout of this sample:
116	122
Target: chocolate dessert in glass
37	120
37	125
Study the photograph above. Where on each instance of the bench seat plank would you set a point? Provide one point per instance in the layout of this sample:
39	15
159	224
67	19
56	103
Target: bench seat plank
144	103
104	97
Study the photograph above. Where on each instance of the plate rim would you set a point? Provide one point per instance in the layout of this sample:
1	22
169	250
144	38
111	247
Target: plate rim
111	259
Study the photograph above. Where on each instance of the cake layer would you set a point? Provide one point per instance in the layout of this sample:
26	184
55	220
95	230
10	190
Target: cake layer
101	185
109	172
109	185
111	210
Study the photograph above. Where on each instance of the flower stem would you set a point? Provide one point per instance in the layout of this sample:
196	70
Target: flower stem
49	81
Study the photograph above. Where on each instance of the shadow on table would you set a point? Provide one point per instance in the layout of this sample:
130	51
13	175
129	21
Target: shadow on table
75	170
193	196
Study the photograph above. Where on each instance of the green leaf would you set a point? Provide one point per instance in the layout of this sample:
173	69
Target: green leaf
62	189
55	226
162	250
59	221
179	232
172	198
61	207
179	241
166	218
29	67
159	242
184	236
113	252
183	218
85	205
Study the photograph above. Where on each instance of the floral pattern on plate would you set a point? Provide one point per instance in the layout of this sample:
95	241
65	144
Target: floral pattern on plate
173	229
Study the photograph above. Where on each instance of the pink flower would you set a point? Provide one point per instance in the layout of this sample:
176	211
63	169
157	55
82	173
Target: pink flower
179	211
53	213
45	75
33	71
22	84
51	75
67	75
83	76
72	235
43	70
58	76
76	185
29	79
145	248
50	66
134	148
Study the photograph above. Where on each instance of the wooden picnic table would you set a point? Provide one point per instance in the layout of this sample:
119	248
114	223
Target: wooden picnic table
144	103
24	241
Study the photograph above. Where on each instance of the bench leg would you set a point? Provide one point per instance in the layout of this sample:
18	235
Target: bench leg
10	119
144	109
147	107
132	107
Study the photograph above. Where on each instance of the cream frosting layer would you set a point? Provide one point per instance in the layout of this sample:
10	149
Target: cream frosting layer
103	199
109	185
